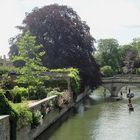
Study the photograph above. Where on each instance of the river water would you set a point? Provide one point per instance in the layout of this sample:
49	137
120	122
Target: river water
99	118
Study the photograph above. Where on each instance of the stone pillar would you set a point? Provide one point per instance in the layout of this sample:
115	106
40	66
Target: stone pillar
114	91
4	127
69	89
4	60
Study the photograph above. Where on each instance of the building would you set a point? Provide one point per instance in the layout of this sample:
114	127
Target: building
5	61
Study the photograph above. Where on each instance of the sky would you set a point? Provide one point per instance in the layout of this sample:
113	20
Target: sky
119	19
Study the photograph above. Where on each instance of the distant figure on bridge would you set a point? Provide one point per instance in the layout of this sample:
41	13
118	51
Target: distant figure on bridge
121	95
126	89
104	93
129	90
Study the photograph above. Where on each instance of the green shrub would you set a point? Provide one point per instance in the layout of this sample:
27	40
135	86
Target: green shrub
74	80
138	71
17	98
18	61
24	115
37	118
9	95
22	81
7	109
49	90
107	71
18	93
8	69
64	70
37	92
32	91
53	83
7	82
54	92
41	92
18	114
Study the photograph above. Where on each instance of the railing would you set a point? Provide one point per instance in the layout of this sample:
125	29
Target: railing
122	79
37	105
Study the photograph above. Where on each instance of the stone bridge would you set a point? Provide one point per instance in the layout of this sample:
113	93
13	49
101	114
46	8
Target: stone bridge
115	83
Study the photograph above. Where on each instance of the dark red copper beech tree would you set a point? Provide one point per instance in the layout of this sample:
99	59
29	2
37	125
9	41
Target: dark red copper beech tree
66	40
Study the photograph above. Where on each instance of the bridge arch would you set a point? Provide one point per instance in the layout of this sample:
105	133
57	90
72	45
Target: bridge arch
106	87
115	84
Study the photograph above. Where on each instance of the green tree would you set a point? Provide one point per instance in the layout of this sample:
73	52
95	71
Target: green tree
66	39
107	71
28	53
129	58
136	45
108	53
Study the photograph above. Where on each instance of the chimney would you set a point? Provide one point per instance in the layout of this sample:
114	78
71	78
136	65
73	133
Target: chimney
4	60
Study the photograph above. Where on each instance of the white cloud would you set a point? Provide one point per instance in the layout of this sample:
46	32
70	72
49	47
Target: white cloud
107	18
110	15
10	17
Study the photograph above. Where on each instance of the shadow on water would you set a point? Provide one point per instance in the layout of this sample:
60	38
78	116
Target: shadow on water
51	129
79	109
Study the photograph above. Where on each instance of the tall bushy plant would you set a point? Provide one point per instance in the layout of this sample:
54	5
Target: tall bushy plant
73	73
37	92
19	114
33	67
18	93
7	82
8	69
37	119
138	71
107	71
6	109
75	80
24	115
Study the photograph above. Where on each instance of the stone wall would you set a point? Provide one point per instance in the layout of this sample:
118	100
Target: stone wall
28	133
82	95
4	127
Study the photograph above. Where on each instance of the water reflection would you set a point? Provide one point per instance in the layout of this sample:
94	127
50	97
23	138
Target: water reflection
81	109
99	119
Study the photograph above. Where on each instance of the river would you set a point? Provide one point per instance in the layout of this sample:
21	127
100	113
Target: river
99	118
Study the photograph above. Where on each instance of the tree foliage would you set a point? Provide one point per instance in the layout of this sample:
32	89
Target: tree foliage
108	53
30	54
66	40
128	55
13	46
136	44
107	71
